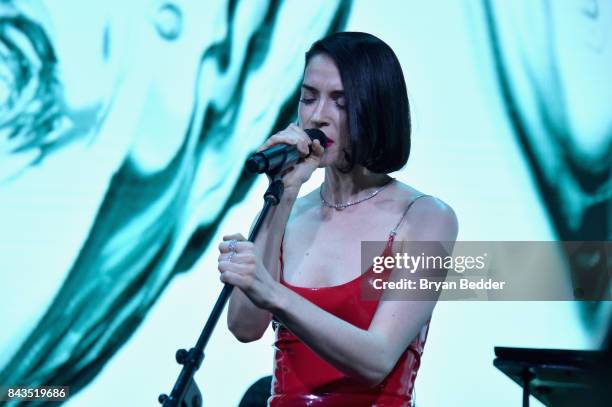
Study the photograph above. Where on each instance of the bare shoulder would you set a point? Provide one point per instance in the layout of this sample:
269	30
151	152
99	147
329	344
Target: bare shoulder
429	218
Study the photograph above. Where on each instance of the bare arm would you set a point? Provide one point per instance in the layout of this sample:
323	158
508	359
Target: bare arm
245	320
365	354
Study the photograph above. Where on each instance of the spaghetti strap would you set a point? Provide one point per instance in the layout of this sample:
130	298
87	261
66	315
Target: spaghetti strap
282	262
394	230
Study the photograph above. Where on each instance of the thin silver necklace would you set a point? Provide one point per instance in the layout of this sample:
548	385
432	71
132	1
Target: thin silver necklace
340	206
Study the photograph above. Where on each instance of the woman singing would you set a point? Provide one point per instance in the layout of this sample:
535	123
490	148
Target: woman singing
333	348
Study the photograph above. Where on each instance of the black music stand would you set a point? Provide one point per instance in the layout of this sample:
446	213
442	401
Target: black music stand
555	377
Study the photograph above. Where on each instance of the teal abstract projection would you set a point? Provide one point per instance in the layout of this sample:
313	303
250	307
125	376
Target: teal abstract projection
124	127
32	119
550	75
161	108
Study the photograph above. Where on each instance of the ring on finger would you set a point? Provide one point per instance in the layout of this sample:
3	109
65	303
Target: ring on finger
232	245
232	249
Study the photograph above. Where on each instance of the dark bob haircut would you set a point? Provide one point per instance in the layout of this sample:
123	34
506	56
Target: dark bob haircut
378	112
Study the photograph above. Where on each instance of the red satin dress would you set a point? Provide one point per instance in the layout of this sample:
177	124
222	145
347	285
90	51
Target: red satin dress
302	378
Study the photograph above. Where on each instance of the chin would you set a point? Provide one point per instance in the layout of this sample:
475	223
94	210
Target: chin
332	161
324	163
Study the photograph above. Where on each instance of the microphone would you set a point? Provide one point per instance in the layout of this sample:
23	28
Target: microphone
280	156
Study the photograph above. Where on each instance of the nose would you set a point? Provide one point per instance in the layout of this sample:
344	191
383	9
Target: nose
320	115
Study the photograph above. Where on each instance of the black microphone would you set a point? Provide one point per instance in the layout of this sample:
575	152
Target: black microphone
279	157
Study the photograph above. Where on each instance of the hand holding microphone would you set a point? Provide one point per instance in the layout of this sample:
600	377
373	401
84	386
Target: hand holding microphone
284	149
282	152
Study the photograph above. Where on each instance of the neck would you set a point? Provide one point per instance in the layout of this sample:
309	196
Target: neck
344	187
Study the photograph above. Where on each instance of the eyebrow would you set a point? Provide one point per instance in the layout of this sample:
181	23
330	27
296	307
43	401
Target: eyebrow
333	93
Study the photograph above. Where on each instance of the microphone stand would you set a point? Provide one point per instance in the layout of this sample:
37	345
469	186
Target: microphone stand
185	392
